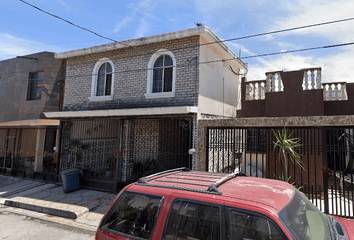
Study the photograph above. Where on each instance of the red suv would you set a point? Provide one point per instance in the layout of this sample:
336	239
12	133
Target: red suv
185	204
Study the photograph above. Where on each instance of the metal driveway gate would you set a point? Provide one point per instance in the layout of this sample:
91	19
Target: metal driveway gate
111	152
326	175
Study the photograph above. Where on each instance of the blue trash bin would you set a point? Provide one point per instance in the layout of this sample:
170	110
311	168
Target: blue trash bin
70	179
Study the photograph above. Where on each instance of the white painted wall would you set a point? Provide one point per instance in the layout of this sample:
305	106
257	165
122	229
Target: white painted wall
219	87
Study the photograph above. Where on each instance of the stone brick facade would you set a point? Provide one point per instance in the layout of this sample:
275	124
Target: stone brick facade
130	79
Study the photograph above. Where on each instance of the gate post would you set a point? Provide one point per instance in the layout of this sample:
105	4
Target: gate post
325	170
207	146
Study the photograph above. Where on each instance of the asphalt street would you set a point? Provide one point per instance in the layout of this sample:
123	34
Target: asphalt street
14	226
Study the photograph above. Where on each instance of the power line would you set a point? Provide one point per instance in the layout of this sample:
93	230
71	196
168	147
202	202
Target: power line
283	30
226	40
206	62
301	50
219	60
282	52
185	47
85	29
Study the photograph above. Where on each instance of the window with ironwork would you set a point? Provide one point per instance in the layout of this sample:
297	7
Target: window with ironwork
256	140
34	90
102	80
161	75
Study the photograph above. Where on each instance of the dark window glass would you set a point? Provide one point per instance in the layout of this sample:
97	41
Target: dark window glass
249	226
108	68
190	220
162	74
108	84
168	80
100	84
168	61
104	80
157	85
256	141
134	214
159	62
35	81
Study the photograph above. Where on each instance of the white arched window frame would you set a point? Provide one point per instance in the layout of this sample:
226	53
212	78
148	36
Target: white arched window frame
95	74
150	75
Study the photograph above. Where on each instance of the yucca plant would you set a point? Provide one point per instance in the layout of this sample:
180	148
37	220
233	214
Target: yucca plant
287	147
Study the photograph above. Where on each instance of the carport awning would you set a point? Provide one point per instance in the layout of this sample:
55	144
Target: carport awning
123	112
31	123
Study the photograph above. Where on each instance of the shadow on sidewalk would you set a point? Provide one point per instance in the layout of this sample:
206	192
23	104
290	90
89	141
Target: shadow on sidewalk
49	198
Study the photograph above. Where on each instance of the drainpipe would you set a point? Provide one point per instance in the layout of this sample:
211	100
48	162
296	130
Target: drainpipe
194	132
195	81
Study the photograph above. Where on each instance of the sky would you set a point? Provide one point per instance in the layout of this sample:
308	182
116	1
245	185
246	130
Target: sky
25	30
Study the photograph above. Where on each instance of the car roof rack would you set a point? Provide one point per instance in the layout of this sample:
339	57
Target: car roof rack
165	179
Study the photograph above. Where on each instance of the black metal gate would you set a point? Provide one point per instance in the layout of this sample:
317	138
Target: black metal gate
29	152
94	147
326	175
155	145
111	152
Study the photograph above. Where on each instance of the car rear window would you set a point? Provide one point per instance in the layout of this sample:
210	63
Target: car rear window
193	220
134	214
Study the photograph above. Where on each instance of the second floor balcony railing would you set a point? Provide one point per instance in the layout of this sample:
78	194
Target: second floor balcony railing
332	91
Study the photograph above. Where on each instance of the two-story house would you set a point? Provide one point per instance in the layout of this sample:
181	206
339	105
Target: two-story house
132	108
29	86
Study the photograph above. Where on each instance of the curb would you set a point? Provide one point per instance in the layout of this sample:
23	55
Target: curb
47	210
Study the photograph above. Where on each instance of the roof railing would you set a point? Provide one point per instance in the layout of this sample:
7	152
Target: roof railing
212	189
182	169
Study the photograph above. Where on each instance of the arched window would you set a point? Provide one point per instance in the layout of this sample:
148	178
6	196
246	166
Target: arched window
162	79
161	75
102	80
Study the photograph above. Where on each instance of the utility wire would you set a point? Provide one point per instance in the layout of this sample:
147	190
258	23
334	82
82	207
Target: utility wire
219	60
283	30
283	52
203	44
85	29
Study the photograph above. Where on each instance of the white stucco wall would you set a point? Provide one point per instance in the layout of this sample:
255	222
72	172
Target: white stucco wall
219	87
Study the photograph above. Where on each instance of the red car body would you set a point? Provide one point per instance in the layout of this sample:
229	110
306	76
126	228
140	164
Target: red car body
184	204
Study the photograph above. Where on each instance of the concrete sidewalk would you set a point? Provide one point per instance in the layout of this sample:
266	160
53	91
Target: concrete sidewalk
82	208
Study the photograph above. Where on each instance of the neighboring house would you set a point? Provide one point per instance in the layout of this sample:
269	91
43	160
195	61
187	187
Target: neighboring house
29	86
132	108
320	114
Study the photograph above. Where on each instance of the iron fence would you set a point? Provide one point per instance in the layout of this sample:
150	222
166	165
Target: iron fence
110	152
28	152
326	172
155	145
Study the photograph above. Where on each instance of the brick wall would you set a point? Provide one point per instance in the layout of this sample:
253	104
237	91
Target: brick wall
130	80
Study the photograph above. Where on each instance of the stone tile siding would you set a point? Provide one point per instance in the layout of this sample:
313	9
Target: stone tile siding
131	77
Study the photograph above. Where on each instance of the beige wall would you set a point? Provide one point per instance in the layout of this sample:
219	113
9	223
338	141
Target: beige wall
219	87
